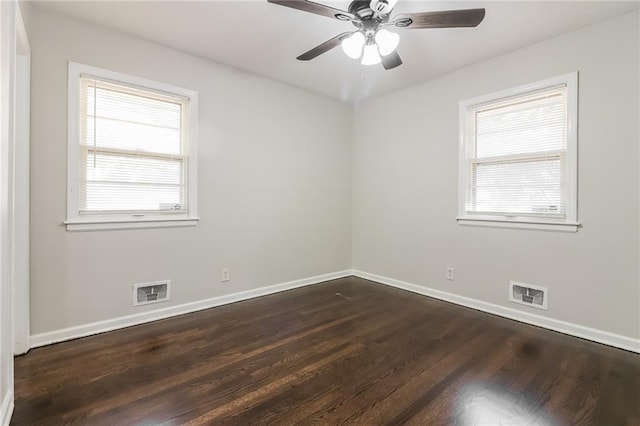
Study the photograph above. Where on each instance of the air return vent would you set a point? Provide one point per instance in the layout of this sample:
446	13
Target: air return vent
155	292
527	294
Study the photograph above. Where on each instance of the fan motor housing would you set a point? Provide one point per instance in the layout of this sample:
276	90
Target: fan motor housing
361	9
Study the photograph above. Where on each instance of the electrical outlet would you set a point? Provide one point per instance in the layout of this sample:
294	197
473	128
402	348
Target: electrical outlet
225	275
450	273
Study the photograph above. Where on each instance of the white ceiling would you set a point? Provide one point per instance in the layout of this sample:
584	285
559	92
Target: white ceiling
265	39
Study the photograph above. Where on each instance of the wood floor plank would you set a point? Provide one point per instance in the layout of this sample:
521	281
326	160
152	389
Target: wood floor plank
347	351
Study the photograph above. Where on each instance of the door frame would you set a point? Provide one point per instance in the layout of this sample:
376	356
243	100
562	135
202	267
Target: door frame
20	243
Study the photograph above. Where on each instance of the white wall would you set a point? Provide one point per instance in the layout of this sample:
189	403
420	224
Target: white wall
7	69
405	185
274	184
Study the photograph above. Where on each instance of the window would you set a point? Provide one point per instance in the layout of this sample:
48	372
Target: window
518	155
132	152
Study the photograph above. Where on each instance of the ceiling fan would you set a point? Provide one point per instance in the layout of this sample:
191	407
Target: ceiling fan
371	41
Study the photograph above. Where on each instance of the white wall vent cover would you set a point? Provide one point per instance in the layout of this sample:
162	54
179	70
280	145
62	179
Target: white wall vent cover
145	293
527	294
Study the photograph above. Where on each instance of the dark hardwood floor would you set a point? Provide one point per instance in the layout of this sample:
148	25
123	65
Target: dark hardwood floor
343	352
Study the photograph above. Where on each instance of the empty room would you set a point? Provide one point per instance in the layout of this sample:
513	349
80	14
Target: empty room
290	212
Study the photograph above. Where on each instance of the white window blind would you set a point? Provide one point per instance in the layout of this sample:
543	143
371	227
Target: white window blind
133	149
517	158
517	163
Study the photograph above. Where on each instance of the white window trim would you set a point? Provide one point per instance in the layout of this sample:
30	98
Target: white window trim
567	224
77	222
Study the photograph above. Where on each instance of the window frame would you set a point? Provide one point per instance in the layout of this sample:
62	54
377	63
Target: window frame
467	109
75	221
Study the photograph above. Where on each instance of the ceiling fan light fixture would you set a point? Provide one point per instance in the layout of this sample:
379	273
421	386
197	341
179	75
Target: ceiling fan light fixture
387	41
371	55
370	42
353	45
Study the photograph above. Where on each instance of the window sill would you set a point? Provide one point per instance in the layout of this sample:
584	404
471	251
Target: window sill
496	223
104	225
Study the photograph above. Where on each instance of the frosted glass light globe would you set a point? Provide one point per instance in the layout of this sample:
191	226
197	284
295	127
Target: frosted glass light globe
387	41
371	55
353	44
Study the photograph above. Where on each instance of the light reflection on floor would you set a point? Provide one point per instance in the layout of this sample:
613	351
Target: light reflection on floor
486	404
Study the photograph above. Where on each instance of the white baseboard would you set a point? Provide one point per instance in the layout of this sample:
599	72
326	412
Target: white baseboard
6	410
55	336
588	333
